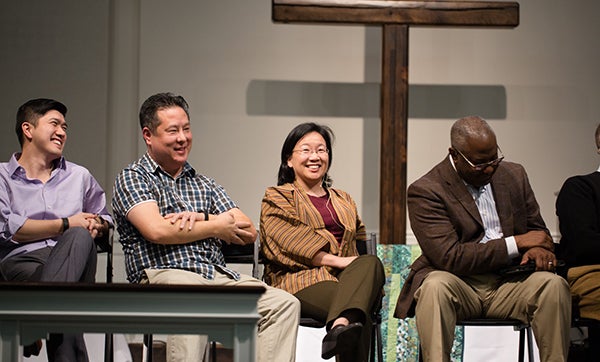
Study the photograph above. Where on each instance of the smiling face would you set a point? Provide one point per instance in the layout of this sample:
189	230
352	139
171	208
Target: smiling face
47	135
310	160
170	144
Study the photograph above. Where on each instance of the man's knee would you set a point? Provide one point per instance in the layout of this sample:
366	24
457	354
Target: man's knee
559	286
437	285
78	235
279	300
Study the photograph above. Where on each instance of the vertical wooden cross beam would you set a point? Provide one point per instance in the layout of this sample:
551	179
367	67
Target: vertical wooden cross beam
395	16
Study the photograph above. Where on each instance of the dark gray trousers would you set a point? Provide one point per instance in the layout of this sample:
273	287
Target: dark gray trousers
72	259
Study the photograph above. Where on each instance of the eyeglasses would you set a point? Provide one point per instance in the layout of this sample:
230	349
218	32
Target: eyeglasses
483	166
305	151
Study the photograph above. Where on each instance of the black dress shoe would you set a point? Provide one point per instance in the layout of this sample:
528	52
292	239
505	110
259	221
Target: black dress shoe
32	349
340	338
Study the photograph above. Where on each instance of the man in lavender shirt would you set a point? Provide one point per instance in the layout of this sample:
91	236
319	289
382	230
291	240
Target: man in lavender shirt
51	211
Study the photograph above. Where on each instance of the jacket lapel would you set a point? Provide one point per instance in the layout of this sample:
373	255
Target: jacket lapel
501	191
458	189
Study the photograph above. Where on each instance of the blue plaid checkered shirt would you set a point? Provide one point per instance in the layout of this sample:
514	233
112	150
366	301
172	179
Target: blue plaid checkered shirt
145	181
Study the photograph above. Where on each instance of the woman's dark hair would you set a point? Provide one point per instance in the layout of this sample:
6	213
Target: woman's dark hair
286	173
150	107
33	109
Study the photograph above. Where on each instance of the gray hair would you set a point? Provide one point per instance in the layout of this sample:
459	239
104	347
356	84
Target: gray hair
467	128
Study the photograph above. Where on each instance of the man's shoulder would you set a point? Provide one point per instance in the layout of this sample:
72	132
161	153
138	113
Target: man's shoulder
76	169
436	176
584	182
511	166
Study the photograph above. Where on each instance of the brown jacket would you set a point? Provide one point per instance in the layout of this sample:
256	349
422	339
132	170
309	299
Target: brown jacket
292	232
448	227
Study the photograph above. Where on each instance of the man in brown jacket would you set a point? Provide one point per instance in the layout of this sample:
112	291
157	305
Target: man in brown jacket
474	215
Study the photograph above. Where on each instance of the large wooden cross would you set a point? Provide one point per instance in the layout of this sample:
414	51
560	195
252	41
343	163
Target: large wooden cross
395	16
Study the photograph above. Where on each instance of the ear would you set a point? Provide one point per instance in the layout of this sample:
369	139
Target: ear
147	134
27	127
453	154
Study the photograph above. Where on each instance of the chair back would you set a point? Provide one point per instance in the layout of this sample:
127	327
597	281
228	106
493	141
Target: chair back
104	244
243	254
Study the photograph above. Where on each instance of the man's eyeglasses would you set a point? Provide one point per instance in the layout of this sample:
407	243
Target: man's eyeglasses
305	151
483	166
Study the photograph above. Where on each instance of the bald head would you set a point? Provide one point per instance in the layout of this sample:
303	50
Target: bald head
470	128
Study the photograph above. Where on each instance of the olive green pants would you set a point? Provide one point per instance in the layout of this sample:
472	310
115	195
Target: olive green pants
358	288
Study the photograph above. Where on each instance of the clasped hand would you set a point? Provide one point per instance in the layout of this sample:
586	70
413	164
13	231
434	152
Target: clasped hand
88	221
537	246
224	226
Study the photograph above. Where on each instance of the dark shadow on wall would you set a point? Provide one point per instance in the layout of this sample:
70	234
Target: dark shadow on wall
320	99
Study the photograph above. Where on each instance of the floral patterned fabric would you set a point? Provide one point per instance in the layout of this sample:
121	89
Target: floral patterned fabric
400	338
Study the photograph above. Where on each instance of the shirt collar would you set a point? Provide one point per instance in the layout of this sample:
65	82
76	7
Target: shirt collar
14	166
152	166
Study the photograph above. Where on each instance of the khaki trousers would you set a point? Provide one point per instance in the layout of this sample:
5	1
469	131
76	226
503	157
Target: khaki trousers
541	298
585	284
277	327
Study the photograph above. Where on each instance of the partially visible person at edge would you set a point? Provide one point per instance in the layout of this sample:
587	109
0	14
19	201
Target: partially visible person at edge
578	211
309	234
172	222
474	215
51	210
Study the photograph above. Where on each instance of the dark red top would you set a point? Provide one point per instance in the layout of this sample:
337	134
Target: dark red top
330	218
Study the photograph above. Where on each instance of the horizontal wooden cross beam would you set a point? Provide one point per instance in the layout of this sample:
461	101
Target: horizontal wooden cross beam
435	13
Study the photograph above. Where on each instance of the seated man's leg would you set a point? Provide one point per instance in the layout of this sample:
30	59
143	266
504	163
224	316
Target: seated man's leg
544	299
277	327
72	259
585	284
181	348
25	267
442	299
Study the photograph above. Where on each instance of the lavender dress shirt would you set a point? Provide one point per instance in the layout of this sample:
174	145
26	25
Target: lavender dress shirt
70	190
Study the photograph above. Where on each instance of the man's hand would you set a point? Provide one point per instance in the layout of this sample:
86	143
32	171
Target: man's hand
232	232
86	221
544	259
96	226
534	239
186	217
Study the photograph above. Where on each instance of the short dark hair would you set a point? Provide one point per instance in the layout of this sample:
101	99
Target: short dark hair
597	136
33	109
157	102
286	173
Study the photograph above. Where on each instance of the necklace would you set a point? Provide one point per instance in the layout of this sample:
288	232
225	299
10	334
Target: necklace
333	217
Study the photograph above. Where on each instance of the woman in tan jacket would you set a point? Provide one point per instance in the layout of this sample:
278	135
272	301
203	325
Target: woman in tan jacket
309	232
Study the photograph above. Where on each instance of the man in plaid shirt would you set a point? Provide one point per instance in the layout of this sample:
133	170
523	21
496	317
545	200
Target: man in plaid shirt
172	222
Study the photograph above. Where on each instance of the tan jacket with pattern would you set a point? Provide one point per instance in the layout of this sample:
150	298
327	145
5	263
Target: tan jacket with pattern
292	232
